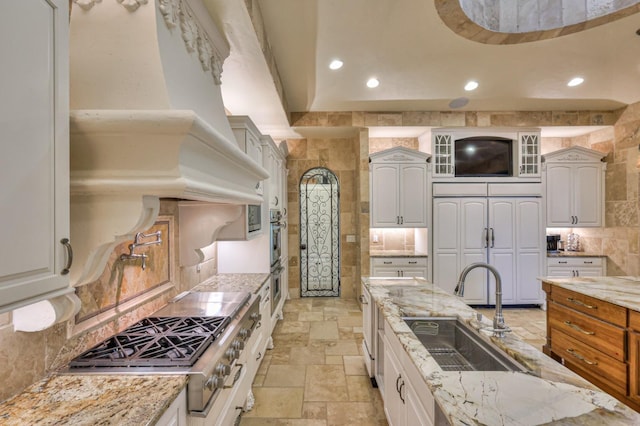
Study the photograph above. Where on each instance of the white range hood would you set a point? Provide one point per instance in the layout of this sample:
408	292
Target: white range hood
147	122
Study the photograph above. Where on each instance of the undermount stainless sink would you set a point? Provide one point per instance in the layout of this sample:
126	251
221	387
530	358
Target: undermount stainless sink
456	346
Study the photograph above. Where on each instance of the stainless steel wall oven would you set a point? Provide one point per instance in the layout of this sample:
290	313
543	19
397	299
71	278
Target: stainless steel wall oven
276	253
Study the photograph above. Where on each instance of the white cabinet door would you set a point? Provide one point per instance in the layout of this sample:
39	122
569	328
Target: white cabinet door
413	189
416	414
587	195
502	247
385	195
473	248
393	392
559	195
459	238
529	154
531	250
443	155
34	169
446	241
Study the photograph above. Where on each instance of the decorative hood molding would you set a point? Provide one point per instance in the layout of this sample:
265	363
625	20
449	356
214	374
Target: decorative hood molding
123	162
147	122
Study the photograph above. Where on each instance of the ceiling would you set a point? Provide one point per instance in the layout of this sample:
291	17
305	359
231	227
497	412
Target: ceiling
421	64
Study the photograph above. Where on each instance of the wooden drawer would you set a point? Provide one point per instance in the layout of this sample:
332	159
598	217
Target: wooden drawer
592	361
634	320
594	307
399	261
598	334
574	261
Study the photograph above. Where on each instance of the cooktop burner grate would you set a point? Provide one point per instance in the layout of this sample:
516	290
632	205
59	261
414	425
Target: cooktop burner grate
156	342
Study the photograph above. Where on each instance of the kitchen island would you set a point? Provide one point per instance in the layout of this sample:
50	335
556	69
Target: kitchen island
547	393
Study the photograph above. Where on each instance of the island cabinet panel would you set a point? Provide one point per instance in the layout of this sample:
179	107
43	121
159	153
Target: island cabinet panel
598	334
590	361
591	306
634	356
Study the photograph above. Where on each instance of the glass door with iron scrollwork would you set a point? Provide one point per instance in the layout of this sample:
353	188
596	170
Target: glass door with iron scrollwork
319	233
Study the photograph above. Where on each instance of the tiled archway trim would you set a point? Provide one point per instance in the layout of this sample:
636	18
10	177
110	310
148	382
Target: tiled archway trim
453	15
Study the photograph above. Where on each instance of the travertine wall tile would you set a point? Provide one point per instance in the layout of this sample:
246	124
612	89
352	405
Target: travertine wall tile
341	156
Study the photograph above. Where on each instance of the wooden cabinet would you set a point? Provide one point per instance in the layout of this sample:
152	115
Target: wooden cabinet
575	188
399	267
591	337
505	232
634	356
576	267
34	167
407	400
398	188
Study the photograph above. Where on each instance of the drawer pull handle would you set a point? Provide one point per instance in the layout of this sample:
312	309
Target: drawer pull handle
581	358
413	262
575	327
387	263
563	261
579	303
588	262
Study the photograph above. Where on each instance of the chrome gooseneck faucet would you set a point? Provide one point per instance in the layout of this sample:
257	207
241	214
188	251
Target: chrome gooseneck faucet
499	327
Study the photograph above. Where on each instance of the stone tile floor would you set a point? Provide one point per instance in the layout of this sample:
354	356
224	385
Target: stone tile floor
315	375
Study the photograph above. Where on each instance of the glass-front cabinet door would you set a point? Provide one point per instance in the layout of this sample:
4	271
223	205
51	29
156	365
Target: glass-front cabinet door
443	160
529	154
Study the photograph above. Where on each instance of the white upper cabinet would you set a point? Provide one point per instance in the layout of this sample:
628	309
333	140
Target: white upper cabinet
575	188
34	167
274	162
248	137
398	188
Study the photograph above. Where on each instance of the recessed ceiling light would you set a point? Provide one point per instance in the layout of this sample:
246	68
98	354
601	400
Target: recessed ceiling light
336	64
576	81
373	82
471	85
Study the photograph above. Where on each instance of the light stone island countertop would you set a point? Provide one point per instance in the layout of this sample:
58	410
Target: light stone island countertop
113	399
548	394
396	253
621	291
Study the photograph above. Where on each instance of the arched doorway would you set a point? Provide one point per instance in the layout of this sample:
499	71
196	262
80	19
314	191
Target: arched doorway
319	233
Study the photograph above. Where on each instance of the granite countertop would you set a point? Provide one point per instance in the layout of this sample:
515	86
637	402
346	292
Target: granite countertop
93	400
548	393
233	283
110	399
564	253
396	253
621	291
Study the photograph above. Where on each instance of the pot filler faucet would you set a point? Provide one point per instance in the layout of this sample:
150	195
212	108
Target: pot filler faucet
499	327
